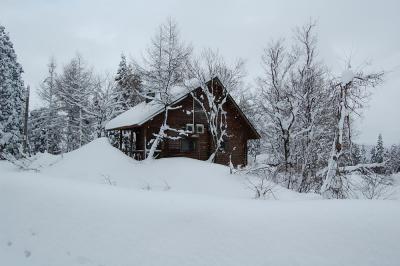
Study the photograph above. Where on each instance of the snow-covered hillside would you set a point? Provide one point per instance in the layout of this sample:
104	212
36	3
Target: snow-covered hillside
95	206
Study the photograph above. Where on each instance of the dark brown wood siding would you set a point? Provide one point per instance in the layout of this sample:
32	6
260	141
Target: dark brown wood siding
239	130
238	134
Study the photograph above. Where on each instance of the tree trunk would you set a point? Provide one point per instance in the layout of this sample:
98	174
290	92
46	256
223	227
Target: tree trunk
333	184
26	121
159	136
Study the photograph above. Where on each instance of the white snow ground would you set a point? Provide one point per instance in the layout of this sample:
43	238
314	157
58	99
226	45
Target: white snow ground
96	206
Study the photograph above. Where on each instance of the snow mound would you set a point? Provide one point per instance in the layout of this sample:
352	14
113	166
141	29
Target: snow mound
42	160
92	162
99	162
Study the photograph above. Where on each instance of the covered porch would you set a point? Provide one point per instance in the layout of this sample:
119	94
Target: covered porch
133	141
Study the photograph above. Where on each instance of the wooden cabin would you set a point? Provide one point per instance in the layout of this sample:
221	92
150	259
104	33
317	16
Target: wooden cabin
139	123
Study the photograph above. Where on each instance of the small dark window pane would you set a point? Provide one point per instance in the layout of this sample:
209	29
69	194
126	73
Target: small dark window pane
224	145
188	145
189	128
200	128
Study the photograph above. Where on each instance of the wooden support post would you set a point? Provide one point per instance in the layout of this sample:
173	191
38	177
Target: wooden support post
26	115
120	139
145	143
131	144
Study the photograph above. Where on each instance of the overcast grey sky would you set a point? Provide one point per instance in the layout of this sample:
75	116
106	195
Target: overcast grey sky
100	30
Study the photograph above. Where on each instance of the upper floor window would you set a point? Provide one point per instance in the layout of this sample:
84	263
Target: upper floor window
200	128
190	128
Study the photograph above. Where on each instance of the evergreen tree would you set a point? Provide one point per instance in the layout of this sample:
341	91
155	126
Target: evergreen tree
378	151
356	154
37	130
12	98
363	154
393	159
373	155
128	86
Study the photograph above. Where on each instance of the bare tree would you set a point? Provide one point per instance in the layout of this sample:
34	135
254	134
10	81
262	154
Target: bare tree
304	111
278	102
75	88
54	121
104	105
349	95
216	79
311	132
164	68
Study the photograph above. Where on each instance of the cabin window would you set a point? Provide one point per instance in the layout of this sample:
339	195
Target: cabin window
188	145
224	145
200	128
189	128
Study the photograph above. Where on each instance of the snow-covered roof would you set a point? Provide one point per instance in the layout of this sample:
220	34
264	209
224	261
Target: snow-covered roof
143	111
136	115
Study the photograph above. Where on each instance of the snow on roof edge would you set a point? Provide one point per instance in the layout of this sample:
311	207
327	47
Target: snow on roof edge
133	117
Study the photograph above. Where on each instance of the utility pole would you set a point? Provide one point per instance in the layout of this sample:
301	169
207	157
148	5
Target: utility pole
26	120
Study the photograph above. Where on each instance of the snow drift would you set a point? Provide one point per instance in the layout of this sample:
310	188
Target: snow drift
99	162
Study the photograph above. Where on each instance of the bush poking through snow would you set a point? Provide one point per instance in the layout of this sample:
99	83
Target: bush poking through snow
262	187
109	181
375	186
167	186
262	181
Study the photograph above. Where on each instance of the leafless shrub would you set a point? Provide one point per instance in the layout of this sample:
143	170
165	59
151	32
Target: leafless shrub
260	180
147	187
262	187
167	186
374	186
109	181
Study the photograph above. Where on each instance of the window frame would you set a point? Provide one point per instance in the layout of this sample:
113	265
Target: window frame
224	146
190	125
200	126
192	144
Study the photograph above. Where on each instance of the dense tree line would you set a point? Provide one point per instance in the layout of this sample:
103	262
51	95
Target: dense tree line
78	103
389	157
